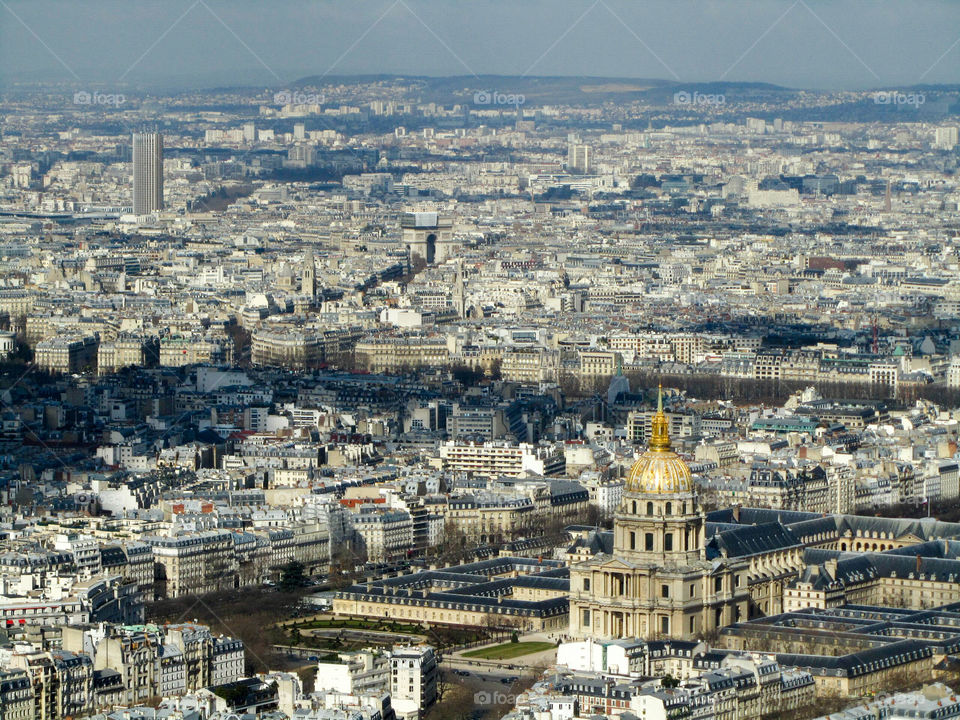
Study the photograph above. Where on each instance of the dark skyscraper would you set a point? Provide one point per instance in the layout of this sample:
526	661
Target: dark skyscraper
147	173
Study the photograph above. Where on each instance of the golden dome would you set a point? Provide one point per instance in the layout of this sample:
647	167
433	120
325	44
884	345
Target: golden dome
659	470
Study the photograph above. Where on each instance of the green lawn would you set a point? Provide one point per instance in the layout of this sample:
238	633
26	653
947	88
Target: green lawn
510	650
358	624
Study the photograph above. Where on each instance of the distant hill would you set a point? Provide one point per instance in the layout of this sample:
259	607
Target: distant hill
732	92
537	90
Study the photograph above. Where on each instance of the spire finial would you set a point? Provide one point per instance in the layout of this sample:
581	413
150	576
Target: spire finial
659	427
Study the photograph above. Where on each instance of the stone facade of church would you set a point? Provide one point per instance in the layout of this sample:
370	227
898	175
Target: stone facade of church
657	582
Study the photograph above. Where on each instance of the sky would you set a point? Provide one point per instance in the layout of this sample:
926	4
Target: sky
188	44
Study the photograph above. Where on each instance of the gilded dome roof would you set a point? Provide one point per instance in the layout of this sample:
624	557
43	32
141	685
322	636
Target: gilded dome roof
659	470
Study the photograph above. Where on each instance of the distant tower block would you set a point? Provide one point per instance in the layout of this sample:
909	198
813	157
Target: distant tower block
578	158
308	285
428	236
147	173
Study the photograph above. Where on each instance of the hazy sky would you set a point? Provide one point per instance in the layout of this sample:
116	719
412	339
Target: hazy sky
199	43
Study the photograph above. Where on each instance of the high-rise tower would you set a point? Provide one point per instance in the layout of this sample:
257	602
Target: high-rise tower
147	173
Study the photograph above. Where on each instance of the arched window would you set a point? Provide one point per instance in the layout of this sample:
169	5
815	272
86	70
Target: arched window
669	508
634	506
649	508
633	541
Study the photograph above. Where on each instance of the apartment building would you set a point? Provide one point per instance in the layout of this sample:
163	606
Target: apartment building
640	422
292	349
16	695
200	562
394	354
494	459
354	673
61	682
413	681
125	351
63	355
105	598
492	518
176	350
311	546
151	660
597	364
530	364
385	534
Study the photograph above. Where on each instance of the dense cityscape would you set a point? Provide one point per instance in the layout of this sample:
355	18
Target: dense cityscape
520	397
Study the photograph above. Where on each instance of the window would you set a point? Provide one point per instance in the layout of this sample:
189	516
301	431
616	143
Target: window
665	625
586	583
668	542
633	541
649	508
648	542
664	591
692	628
693	590
586	619
669	509
634	507
718	584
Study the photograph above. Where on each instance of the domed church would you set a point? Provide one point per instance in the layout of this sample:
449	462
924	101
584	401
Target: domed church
654	582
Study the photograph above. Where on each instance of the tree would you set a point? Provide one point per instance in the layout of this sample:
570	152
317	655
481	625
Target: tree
343	565
24	497
457	704
466	376
453	546
292	576
242	340
443	684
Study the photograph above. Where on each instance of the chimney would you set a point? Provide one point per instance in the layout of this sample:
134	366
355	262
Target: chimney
831	567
